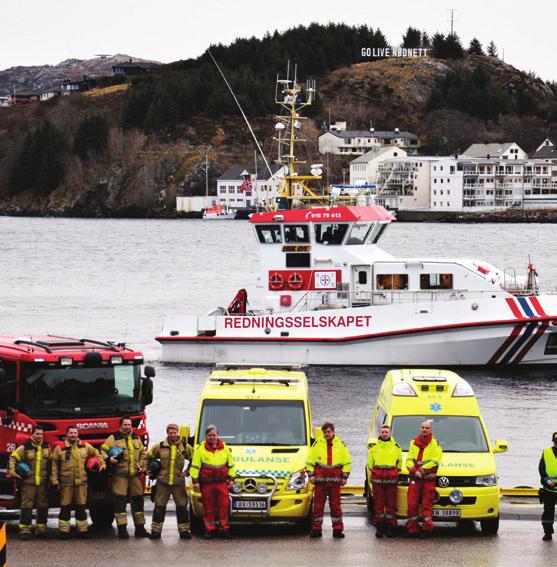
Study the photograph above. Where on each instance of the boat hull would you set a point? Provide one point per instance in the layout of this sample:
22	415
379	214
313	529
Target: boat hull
428	340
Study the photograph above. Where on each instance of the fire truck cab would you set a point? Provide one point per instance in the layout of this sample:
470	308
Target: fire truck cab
56	382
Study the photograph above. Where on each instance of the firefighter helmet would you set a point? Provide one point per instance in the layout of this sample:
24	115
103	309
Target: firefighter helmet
154	468
23	469
93	464
116	453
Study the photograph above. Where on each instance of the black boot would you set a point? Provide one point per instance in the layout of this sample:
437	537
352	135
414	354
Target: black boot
155	535
380	532
140	531
123	532
547	537
315	533
185	535
389	531
338	534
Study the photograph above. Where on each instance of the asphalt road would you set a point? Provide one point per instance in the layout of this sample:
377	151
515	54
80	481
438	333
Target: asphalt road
519	542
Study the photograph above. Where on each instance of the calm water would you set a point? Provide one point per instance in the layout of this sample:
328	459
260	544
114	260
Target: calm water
117	279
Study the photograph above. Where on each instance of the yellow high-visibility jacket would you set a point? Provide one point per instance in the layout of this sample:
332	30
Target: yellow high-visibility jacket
212	465
385	455
431	458
317	458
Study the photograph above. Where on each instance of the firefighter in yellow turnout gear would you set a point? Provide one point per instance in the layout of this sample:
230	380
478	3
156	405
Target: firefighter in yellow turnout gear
126	471
172	453
34	488
69	475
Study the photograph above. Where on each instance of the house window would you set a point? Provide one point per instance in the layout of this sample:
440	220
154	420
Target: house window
391	281
436	281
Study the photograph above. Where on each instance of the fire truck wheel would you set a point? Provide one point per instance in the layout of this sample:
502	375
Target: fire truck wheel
102	515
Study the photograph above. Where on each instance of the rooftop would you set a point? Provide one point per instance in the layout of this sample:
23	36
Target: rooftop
234	173
483	150
376	152
369	134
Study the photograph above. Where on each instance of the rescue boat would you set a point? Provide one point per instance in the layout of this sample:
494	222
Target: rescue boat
334	297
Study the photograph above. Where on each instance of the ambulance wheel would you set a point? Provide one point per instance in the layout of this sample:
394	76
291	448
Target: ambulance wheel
196	524
305	525
102	516
490	527
369	500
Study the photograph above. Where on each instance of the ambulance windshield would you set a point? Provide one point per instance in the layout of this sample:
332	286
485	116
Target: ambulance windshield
455	433
256	422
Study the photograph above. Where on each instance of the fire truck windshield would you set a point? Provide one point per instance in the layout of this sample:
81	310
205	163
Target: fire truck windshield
110	390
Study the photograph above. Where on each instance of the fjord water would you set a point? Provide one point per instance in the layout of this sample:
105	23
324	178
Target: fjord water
118	279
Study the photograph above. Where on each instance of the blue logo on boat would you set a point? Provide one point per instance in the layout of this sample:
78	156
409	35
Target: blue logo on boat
435	407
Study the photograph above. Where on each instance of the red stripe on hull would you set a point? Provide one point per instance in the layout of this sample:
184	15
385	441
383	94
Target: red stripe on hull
514	308
531	343
455	326
537	306
510	339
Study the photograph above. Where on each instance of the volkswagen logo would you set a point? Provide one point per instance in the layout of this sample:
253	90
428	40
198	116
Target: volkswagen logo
250	485
443	482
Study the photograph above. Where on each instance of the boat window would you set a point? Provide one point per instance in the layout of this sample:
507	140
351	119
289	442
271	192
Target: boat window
436	281
296	233
359	233
392	281
362	278
330	233
377	232
268	234
551	344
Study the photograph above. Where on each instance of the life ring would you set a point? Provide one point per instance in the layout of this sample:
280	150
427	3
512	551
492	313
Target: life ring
295	281
276	281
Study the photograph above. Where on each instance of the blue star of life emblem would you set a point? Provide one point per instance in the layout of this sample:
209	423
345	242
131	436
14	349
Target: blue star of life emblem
435	407
251	451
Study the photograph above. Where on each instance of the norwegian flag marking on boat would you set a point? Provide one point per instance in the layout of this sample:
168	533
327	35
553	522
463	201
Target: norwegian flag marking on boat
524	335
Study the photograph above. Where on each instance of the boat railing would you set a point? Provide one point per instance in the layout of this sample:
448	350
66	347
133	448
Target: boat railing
321	300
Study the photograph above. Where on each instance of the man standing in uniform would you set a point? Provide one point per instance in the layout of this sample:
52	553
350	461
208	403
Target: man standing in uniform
424	456
34	488
69	475
328	466
384	462
172	453
213	472
126	477
548	476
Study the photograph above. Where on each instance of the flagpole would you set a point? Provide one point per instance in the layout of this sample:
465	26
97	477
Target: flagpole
256	182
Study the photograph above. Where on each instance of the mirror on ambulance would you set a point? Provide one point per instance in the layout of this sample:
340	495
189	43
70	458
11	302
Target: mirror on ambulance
501	446
185	434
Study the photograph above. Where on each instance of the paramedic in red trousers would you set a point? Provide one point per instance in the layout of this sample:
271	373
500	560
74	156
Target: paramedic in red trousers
328	467
384	461
212	472
422	462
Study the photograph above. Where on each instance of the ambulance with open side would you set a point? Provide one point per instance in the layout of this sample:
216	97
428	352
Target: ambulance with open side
467	483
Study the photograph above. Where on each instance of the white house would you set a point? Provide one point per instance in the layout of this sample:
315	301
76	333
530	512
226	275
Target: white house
338	140
404	182
265	186
506	150
5	101
446	184
363	169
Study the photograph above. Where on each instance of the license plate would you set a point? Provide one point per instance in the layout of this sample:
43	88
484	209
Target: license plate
446	513
249	504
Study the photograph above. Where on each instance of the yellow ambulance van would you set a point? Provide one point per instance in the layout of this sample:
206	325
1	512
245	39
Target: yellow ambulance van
467	483
264	416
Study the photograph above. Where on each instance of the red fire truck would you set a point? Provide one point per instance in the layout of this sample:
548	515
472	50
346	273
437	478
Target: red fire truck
56	382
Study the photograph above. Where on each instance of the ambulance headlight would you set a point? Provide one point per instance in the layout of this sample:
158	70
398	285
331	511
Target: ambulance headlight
486	480
261	487
237	487
456	497
298	481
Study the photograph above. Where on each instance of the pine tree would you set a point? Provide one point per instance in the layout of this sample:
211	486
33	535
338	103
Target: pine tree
91	136
439	47
492	49
453	47
475	48
412	38
426	42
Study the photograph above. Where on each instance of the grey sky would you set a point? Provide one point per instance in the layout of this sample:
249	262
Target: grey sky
37	32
